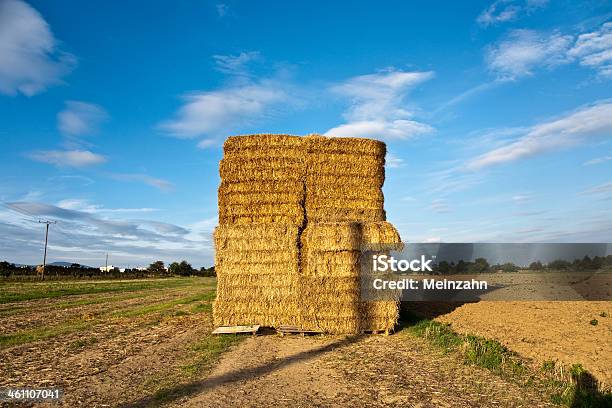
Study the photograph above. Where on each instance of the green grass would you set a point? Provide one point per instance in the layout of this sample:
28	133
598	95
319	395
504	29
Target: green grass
164	306
207	350
28	336
18	292
577	389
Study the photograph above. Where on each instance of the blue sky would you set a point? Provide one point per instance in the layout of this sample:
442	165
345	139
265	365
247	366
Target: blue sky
497	116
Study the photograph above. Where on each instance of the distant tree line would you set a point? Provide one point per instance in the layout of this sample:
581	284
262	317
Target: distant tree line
481	265
156	269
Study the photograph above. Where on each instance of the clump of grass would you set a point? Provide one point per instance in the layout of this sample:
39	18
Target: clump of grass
82	343
603	314
594	322
207	350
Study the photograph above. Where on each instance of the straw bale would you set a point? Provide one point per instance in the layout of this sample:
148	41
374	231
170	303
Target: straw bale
262	187
319	215
381	315
322	181
246	258
311	268
228	167
314	289
247	280
354	192
351	169
380	233
254	154
263	173
258	198
261	219
286	209
332	236
341	202
231	314
261	142
258	268
317	143
256	237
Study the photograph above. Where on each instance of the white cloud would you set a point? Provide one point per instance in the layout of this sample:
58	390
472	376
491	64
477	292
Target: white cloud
80	118
507	10
67	158
236	64
30	60
572	129
221	112
598	160
524	50
600	189
395	129
86	206
521	52
594	50
393	161
158	183
377	106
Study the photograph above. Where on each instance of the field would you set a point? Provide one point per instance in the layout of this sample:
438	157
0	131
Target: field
148	343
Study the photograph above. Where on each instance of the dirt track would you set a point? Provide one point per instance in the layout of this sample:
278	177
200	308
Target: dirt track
365	371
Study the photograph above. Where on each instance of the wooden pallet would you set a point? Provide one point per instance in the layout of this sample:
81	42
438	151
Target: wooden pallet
236	329
285	329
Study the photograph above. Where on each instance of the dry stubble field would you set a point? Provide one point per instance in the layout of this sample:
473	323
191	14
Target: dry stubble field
148	343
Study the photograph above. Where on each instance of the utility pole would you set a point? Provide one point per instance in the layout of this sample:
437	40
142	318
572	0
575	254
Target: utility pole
106	264
47	223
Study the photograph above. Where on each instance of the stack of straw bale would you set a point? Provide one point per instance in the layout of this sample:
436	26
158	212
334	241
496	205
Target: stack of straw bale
294	213
261	214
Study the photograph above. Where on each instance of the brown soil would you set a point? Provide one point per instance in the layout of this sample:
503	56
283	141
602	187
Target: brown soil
544	330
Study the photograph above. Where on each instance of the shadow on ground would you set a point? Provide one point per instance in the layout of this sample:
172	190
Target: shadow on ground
196	387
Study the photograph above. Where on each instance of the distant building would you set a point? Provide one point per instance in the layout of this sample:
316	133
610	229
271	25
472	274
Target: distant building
109	268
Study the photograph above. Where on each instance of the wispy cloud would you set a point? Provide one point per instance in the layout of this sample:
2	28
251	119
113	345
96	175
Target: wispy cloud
236	64
598	160
594	50
393	161
440	206
67	158
80	118
378	106
521	52
600	189
569	130
244	102
158	183
502	11
84	236
30	59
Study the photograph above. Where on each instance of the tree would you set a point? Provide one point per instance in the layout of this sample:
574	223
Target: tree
208	271
183	268
157	268
536	266
480	265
